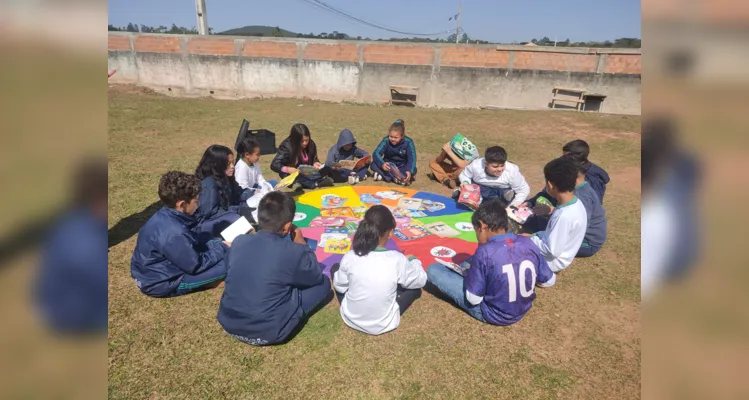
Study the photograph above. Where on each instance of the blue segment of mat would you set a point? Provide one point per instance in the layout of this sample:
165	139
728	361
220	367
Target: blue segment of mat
451	206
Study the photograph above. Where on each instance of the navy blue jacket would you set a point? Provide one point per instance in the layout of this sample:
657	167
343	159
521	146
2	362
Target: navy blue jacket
210	196
261	300
403	154
167	249
71	289
598	179
336	153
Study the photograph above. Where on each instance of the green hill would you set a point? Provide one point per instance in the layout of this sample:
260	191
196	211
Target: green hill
258	30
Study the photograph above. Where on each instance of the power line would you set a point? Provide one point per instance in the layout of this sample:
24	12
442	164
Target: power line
326	7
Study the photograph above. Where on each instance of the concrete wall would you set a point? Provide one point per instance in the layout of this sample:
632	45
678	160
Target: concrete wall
447	75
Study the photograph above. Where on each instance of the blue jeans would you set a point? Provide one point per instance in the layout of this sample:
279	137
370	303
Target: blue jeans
308	182
194	283
312	296
342	174
493	193
450	284
586	250
387	176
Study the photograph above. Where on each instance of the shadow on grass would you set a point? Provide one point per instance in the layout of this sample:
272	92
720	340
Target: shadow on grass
125	228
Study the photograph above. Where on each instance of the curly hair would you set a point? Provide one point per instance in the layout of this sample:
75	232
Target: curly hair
177	185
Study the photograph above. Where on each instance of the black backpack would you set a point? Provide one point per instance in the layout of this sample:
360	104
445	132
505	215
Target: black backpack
264	137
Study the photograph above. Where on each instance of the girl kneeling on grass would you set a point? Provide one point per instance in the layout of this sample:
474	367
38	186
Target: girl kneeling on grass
375	285
299	149
394	160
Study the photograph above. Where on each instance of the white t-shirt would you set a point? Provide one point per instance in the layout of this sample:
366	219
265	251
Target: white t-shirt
510	178
561	240
248	175
370	284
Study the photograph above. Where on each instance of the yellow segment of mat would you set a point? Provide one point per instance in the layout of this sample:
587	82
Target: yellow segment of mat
315	197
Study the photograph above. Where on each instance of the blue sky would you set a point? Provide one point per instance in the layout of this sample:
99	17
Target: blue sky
495	20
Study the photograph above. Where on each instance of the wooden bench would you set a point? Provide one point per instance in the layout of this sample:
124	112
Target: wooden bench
577	97
403	94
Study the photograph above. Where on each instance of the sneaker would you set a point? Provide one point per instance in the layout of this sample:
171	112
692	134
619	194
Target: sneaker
509	195
352	180
357	179
363	178
377	177
449	183
326	182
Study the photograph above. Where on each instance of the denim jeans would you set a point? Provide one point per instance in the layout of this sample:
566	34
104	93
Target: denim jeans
450	284
586	250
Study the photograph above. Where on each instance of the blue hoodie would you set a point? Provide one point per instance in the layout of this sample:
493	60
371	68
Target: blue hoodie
402	154
261	300
336	153
598	179
167	249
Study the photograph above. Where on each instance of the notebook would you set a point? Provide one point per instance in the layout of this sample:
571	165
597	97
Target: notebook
239	227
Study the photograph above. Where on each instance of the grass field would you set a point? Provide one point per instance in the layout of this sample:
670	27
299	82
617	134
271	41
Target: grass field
581	339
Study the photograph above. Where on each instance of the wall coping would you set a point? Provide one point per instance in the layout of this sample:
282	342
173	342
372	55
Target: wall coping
507	47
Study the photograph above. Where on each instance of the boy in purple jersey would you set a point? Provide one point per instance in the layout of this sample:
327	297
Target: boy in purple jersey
499	286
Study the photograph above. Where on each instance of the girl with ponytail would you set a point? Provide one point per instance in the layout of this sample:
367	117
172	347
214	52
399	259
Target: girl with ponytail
375	285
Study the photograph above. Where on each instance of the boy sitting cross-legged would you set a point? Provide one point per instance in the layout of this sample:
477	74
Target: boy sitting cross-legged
169	258
496	177
272	284
563	236
499	286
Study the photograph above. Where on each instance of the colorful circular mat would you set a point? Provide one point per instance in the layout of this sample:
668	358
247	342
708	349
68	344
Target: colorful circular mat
431	227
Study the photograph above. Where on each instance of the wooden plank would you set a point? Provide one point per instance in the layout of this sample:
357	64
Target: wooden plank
568	89
568	99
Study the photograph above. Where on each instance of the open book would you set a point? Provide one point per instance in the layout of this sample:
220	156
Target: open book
286	182
353	165
519	214
307	170
459	269
239	227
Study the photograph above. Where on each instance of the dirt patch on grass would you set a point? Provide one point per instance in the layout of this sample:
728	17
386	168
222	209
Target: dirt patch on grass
628	178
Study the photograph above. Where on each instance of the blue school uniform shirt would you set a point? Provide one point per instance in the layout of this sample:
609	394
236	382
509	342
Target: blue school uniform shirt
504	271
71	289
598	179
261	302
210	196
402	154
167	249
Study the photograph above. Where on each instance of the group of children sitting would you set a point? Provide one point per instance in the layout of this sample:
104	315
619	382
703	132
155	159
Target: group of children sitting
273	281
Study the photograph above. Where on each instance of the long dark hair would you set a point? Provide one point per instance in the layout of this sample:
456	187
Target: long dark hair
214	163
377	221
298	132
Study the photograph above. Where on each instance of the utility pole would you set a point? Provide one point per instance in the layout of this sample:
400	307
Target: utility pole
457	31
202	18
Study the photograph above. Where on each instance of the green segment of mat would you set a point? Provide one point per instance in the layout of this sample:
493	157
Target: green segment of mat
452	220
310	211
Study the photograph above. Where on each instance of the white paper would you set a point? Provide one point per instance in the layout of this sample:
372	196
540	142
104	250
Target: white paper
239	227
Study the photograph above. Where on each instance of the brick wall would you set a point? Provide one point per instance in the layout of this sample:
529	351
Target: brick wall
474	56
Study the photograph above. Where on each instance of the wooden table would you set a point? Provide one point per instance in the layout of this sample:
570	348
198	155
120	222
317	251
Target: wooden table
577	97
397	92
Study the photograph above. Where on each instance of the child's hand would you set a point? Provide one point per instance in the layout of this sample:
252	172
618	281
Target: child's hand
386	167
317	165
291	170
228	244
446	148
408	177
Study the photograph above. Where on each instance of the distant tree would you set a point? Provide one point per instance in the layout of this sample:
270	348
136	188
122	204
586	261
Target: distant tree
451	38
113	28
131	28
464	38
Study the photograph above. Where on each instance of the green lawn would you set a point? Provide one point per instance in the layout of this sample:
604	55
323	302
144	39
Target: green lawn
580	340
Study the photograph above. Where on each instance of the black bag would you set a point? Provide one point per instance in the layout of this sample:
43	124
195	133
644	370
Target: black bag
264	137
